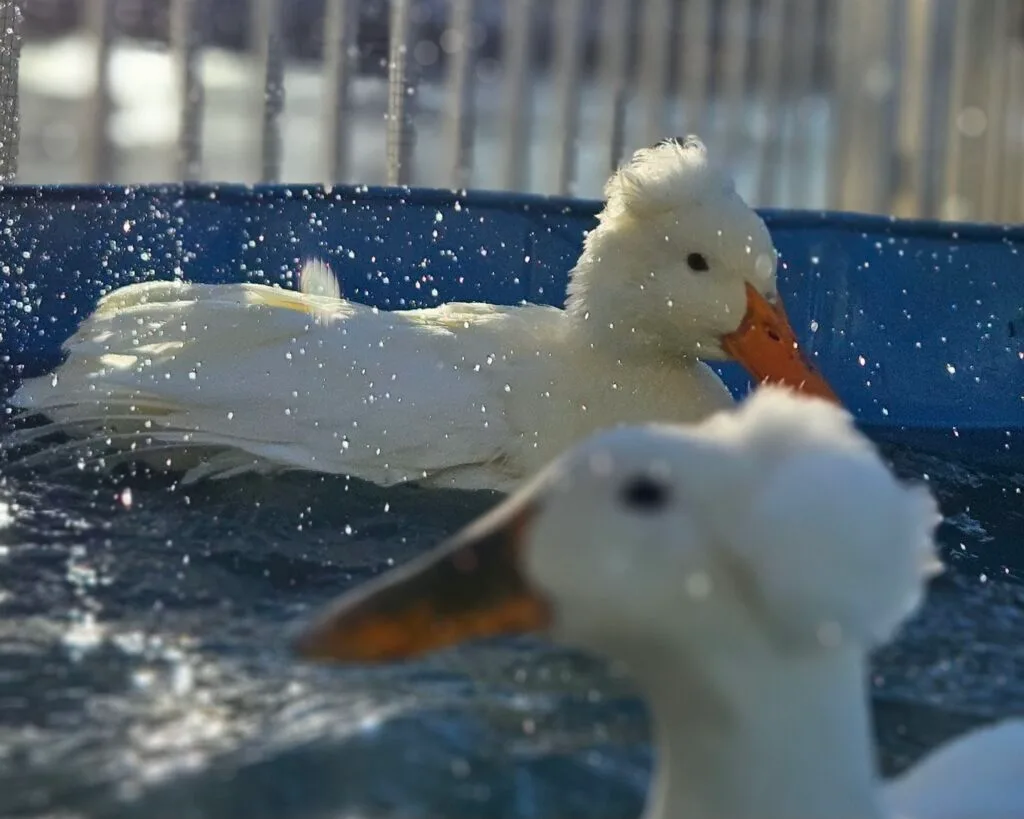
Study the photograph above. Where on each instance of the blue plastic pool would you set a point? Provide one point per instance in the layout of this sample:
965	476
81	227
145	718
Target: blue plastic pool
919	325
142	625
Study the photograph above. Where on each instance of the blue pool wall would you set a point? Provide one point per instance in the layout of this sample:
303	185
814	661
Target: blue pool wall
918	325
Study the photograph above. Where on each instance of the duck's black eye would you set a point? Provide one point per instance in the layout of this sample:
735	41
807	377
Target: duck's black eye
697	262
668	141
643	493
685	141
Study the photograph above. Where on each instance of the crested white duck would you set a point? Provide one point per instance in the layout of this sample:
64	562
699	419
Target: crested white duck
741	569
465	395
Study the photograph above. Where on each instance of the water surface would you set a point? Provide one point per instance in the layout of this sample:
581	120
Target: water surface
143	671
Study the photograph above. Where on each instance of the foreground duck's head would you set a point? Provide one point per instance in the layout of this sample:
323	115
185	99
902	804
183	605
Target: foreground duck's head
680	266
775	527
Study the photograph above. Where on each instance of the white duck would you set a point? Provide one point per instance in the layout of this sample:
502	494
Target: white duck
741	570
465	395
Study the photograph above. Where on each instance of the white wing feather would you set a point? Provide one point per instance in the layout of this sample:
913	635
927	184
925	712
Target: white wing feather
289	380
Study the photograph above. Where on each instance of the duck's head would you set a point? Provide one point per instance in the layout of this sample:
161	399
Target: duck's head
776	522
680	266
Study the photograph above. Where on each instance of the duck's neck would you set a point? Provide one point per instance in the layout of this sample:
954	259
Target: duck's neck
606	325
790	739
620	338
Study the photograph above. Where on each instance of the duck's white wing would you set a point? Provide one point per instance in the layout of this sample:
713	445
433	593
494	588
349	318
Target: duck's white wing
285	380
977	776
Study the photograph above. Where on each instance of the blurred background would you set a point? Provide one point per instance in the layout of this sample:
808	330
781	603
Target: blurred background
906	107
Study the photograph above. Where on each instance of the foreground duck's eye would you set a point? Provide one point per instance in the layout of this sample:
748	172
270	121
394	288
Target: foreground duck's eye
697	262
644	494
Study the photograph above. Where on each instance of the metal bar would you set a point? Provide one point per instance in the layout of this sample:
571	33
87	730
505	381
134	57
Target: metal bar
864	175
877	118
341	29
10	53
914	195
270	47
800	87
460	117
401	134
518	112
187	42
98	152
1013	190
695	65
568	71
889	20
654	61
941	80
733	68
995	150
840	16
771	51
966	122
614	72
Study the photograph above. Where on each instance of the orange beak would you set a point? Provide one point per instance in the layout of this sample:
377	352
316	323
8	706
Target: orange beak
468	587
766	346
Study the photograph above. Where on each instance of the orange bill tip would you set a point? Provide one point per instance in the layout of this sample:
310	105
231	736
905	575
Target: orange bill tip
766	346
469	587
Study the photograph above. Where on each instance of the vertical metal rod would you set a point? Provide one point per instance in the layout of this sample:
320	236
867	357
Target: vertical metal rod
960	196
187	23
839	17
10	54
733	66
270	46
1013	190
401	134
695	65
614	72
800	88
995	150
771	53
341	29
518	110
876	117
568	70
460	118
98	152
863	174
656	29
913	196
939	104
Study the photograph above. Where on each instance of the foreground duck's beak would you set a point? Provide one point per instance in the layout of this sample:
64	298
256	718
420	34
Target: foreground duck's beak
766	346
469	587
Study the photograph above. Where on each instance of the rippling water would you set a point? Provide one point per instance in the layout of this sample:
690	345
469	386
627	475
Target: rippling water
142	670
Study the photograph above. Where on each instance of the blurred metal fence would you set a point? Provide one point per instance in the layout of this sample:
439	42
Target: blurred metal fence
10	51
909	107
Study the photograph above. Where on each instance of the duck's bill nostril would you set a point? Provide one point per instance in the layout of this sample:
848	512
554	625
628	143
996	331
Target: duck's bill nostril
766	346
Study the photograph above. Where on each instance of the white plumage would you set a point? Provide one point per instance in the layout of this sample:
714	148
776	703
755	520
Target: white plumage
223	379
741	569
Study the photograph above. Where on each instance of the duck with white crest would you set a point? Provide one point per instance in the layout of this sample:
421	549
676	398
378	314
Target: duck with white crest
741	570
218	380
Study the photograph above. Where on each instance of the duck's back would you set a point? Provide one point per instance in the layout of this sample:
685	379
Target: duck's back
285	379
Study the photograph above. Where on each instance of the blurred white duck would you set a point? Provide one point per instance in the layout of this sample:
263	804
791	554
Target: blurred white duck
741	570
464	395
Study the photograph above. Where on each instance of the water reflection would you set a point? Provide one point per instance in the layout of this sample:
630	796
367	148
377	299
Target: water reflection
142	670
